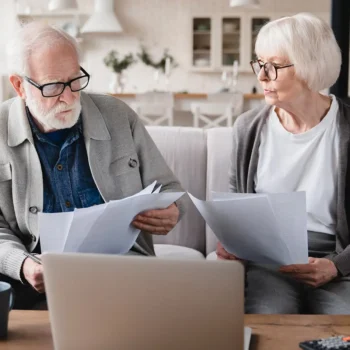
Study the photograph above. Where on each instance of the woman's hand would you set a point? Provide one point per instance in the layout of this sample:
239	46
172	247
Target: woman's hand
316	273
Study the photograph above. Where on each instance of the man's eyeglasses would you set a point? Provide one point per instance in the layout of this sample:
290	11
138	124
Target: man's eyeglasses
269	68
56	89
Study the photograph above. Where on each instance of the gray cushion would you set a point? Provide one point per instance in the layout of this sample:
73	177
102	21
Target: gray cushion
184	150
219	148
212	256
173	251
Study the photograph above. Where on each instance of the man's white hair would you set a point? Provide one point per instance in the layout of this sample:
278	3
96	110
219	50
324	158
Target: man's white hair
307	42
31	37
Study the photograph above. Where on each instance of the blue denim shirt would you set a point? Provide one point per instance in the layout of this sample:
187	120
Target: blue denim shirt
68	181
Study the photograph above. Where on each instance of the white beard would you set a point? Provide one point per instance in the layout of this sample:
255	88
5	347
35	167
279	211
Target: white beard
48	119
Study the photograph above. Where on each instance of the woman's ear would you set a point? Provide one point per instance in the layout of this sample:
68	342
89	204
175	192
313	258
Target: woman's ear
17	83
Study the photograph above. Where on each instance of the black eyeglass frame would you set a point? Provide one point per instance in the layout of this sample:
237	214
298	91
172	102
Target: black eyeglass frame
68	83
261	65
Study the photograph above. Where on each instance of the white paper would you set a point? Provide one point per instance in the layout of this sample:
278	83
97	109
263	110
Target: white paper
291	218
84	219
112	232
103	228
82	222
264	228
247	336
53	229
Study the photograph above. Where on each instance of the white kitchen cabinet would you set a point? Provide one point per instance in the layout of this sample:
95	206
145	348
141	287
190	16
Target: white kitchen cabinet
228	37
230	40
219	40
202	43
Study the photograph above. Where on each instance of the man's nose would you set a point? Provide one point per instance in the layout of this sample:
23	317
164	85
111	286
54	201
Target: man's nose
68	96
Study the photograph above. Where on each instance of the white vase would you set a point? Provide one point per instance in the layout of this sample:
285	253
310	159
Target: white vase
116	85
156	78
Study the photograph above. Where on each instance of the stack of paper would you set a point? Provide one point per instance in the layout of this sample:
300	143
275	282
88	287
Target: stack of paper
104	228
264	228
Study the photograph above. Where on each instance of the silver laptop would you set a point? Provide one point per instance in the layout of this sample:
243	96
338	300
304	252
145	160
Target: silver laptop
130	303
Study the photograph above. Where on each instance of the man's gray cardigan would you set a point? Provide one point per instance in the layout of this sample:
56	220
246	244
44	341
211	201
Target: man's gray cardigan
122	156
244	162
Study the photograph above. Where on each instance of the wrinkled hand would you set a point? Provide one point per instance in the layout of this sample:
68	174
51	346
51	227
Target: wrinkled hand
316	273
33	273
224	255
157	221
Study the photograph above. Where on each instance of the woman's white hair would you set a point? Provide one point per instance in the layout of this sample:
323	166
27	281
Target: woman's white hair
307	42
31	37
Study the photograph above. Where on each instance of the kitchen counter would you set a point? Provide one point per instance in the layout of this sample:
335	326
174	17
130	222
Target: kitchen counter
189	96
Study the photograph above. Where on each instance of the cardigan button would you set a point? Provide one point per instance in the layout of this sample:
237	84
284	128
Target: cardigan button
33	210
133	163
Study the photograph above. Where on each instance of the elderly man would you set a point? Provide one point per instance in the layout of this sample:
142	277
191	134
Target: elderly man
62	149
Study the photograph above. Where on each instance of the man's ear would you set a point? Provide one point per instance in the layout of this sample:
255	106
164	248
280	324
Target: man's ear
17	83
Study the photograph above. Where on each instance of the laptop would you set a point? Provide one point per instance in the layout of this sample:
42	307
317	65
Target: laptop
134	302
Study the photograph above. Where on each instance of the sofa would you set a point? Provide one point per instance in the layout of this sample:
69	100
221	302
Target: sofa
200	158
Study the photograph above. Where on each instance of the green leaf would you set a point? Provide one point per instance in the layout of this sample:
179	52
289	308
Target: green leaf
117	65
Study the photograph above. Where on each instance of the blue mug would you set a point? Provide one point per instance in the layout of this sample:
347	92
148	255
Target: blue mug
7	299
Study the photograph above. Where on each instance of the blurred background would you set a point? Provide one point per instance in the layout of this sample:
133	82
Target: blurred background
189	48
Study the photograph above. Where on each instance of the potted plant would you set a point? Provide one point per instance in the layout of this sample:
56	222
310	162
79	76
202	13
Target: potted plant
164	65
118	66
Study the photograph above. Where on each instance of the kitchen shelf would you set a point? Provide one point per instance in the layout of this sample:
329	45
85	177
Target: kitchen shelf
202	40
230	51
189	95
233	33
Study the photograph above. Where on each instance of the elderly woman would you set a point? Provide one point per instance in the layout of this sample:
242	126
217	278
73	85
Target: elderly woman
298	142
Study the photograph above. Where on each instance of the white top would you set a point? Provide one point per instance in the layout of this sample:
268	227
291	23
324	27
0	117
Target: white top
303	162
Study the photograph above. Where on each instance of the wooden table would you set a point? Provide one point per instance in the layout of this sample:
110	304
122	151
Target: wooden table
30	330
285	332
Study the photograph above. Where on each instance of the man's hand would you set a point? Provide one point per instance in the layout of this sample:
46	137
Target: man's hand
316	273
158	221
33	273
224	255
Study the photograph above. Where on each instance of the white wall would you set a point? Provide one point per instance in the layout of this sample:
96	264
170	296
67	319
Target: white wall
158	24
